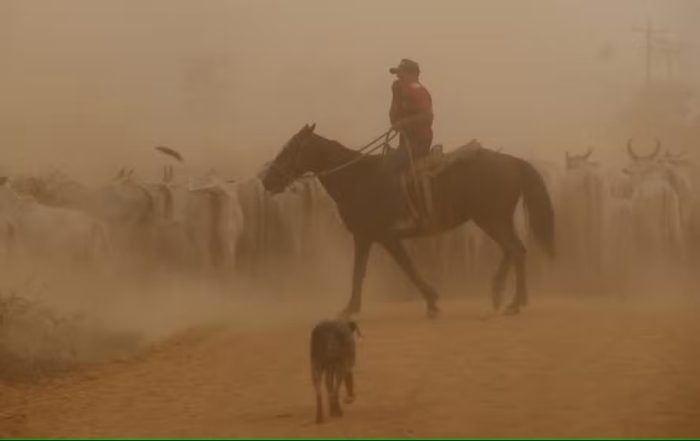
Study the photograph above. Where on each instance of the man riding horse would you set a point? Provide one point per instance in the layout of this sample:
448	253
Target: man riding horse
479	185
411	114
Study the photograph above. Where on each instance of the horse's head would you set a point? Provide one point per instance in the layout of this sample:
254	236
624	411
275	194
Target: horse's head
291	163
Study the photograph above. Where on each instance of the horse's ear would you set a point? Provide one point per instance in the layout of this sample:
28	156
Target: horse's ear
312	127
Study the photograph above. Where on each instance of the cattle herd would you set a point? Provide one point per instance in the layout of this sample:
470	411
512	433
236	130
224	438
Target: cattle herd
610	223
197	223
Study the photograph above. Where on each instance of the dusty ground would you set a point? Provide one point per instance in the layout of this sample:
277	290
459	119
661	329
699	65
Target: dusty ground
563	368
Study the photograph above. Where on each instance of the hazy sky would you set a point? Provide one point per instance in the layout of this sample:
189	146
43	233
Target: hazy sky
95	84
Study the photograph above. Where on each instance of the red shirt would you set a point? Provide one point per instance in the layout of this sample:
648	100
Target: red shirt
410	98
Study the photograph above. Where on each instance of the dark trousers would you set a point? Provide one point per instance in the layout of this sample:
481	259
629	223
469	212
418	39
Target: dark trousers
418	145
398	162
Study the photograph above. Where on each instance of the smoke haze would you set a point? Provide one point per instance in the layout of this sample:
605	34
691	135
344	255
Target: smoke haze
92	86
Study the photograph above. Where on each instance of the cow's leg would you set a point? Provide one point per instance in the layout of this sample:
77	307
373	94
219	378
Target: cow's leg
397	251
362	249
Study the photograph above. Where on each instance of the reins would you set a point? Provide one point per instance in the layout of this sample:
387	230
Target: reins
364	152
370	148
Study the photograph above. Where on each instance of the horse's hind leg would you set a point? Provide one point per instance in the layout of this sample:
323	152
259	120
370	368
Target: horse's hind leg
397	251
513	253
498	283
520	278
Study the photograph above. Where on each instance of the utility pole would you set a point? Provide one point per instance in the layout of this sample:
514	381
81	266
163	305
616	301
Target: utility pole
649	33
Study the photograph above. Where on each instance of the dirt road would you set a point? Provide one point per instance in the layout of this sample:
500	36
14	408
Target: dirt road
563	368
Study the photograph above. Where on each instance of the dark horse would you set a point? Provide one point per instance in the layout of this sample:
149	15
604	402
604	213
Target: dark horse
484	187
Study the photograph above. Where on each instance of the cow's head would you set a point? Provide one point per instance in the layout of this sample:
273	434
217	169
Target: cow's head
580	162
642	164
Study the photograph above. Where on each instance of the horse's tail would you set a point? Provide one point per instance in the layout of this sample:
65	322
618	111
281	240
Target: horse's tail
539	207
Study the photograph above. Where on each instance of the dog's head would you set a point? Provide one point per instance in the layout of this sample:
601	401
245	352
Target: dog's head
354	328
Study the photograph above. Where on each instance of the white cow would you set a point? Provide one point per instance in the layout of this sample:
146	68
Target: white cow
52	188
213	221
300	226
309	217
171	246
678	167
127	207
580	216
49	233
657	207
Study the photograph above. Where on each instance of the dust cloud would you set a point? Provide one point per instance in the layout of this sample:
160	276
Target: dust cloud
89	88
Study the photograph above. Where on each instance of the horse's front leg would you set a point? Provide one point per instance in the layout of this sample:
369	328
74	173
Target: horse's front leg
362	249
397	251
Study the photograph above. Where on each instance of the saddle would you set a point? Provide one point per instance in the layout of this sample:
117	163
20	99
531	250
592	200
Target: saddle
417	180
